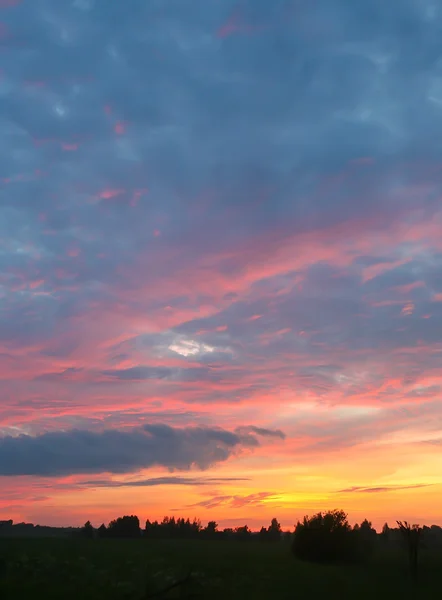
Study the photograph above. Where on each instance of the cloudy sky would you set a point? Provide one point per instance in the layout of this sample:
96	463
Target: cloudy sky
220	259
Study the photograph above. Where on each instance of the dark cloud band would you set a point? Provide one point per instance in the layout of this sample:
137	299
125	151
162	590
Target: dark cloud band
114	451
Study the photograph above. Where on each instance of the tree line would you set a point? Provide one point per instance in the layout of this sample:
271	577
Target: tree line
323	537
128	526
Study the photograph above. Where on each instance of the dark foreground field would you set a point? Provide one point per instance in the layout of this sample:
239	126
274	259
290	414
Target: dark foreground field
108	569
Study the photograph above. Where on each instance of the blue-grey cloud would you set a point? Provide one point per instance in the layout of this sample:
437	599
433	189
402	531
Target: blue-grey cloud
115	451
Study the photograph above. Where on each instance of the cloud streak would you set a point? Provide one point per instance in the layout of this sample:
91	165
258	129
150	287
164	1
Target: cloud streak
160	481
257	499
382	489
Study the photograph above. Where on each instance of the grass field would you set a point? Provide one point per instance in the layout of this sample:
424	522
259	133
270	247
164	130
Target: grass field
98	569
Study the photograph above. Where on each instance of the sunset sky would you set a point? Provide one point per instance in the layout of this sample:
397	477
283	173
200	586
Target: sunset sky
220	260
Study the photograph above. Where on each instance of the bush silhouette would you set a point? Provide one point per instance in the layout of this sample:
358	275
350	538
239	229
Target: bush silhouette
325	538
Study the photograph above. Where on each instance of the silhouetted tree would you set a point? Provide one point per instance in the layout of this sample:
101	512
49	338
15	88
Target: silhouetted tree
325	538
196	527
228	533
87	530
211	531
243	533
365	539
274	531
124	527
170	528
411	534
385	533
152	530
272	534
432	537
102	531
367	526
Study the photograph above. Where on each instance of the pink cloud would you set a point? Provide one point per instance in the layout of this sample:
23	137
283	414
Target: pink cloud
69	147
108	194
120	128
236	25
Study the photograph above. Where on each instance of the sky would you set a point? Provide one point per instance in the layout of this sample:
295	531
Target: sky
220	260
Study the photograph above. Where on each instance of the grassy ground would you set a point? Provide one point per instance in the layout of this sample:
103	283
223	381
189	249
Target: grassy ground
96	569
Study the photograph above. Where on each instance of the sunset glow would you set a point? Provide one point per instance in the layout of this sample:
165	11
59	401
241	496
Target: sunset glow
221	260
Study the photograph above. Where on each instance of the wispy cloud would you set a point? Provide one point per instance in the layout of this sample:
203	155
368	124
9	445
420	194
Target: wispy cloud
159	481
257	499
381	489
